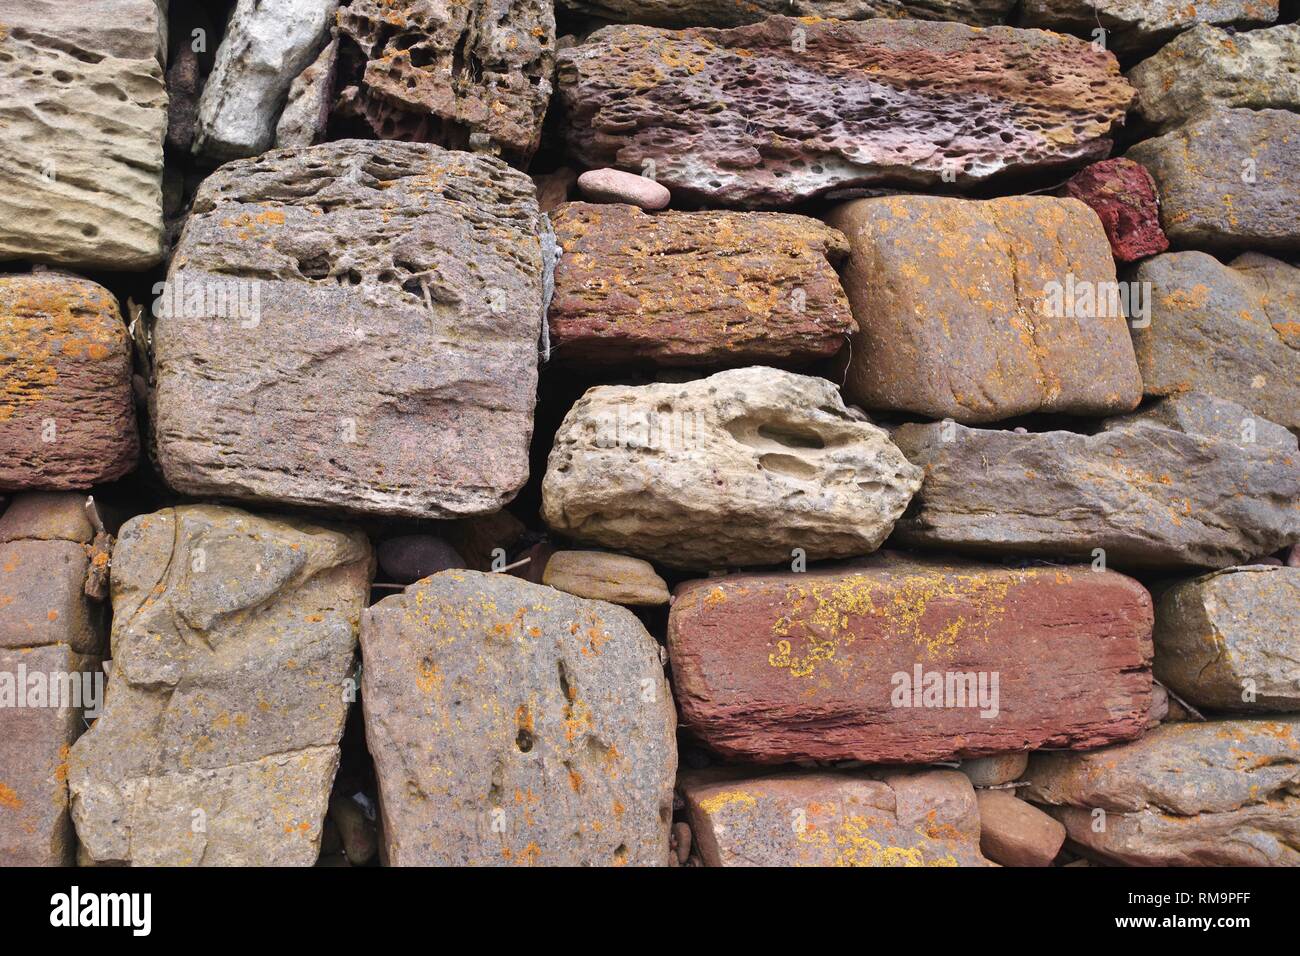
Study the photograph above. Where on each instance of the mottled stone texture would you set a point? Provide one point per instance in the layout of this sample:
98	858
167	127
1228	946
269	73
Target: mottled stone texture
267	43
738	468
67	416
390	363
822	664
35	829
599	575
1192	481
83	115
1257	69
234	641
473	74
834	819
1123	196
1231	640
1227	179
1133	25
1222	793
51	640
1230	330
774	113
512	724
963	312
695	288
730	13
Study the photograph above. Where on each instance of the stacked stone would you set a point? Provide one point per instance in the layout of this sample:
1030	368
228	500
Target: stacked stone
573	401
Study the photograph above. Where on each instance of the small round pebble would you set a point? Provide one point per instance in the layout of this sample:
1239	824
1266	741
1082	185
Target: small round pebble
614	185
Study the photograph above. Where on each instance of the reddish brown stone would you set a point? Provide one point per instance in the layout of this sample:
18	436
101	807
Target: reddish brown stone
66	413
691	288
1015	833
1123	195
35	736
775	113
784	666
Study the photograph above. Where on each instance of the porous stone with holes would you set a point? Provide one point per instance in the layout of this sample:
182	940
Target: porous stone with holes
771	114
474	74
354	325
738	468
729	13
513	724
83	115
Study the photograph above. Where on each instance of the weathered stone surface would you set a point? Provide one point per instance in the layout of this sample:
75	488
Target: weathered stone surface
734	469
695	288
1123	196
823	664
1002	768
834	819
1015	833
1175	485
266	45
1229	330
1231	640
614	185
1206	66
513	724
1227	179
728	13
772	114
474	74
1222	793
605	577
233	641
409	557
390	363
47	516
83	115
311	95
67	417
1132	25
963	312
35	829
42	596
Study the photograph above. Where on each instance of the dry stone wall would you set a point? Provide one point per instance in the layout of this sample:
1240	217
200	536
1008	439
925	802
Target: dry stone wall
649	433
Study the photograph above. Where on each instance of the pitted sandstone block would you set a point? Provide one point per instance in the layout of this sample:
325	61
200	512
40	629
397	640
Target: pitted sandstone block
730	13
738	468
364	336
769	115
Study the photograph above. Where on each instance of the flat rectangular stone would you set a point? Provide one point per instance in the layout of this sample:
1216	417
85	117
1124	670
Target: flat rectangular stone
883	819
823	664
695	288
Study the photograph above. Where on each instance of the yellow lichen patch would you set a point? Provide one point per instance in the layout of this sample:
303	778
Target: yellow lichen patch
8	798
728	798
